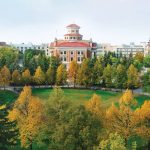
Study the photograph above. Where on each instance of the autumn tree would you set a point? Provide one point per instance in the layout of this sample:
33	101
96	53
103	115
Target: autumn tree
132	77
51	76
94	105
120	77
26	77
121	119
72	72
114	142
28	113
61	76
39	76
107	75
16	77
5	76
143	119
84	73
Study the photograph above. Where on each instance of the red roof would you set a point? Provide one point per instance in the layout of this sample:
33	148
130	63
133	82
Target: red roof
73	35
73	26
73	44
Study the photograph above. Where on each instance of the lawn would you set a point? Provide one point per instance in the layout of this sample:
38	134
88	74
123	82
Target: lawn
7	97
80	96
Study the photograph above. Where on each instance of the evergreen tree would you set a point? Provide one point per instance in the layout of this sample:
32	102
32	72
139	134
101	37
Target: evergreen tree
8	131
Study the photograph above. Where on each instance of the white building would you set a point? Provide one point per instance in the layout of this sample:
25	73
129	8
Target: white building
132	48
23	47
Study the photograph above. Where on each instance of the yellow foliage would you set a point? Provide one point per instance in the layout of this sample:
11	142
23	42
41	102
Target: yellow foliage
94	105
28	112
128	98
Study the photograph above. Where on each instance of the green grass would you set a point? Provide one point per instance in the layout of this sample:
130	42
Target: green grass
7	97
80	96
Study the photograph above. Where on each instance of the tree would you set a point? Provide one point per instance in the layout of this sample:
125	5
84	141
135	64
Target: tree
114	142
143	119
16	77
120	77
97	72
8	131
84	73
9	57
5	76
28	113
147	61
51	76
146	81
61	75
132	77
26	77
72	72
122	119
94	105
39	76
107	75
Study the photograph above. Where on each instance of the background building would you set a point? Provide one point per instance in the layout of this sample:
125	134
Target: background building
72	47
126	50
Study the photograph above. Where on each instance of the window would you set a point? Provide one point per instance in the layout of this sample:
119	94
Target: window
64	52
78	58
71	52
71	58
61	59
74	37
64	58
61	52
78	52
82	52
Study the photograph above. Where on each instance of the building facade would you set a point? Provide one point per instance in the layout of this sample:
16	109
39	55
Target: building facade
72	47
23	47
126	50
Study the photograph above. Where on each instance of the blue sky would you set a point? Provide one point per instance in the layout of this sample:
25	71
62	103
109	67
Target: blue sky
40	21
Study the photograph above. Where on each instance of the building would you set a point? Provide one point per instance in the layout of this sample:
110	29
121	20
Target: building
104	47
72	47
23	47
3	44
126	50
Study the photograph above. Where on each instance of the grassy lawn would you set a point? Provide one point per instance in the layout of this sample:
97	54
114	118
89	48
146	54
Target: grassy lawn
80	96
7	97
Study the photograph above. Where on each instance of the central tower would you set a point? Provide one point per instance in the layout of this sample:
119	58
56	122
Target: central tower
73	33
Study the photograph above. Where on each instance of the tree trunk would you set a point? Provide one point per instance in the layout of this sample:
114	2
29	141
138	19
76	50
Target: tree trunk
126	142
31	147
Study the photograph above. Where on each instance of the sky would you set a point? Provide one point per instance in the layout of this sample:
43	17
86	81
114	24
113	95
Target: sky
105	21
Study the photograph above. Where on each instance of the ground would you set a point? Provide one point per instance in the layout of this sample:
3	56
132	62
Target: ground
80	96
77	96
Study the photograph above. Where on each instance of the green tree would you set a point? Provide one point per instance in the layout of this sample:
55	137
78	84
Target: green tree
61	76
51	76
120	77
146	81
107	76
9	56
8	131
97	72
147	61
114	142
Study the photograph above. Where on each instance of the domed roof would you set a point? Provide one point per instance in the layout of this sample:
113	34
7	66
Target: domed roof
73	26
